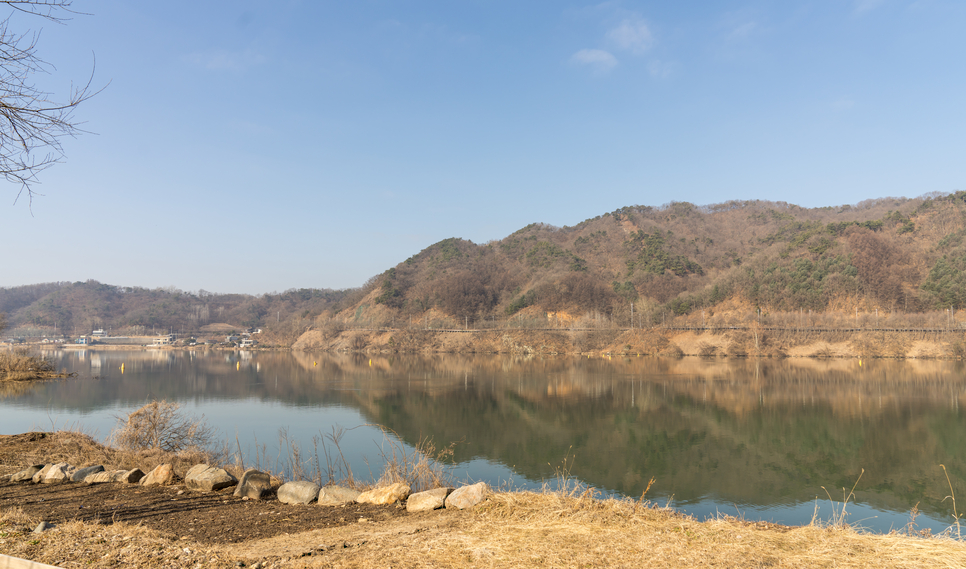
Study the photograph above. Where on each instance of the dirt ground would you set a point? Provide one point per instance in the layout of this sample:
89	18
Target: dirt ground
170	511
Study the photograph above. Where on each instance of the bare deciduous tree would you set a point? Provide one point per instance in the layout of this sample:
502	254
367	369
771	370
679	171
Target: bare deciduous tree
162	425
32	121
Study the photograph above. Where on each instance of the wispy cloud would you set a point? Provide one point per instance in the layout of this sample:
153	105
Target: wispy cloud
599	60
660	69
224	60
863	6
742	31
632	35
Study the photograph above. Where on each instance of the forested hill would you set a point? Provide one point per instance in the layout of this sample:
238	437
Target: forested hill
79	307
890	254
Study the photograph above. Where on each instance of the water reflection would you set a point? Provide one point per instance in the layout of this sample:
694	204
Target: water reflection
757	437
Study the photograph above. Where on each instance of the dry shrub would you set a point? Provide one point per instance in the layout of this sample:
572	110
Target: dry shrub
162	425
672	351
707	350
20	365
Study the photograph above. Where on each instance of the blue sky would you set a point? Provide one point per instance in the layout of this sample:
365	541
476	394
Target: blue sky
255	147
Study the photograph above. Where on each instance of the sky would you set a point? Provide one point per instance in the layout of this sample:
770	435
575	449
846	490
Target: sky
255	147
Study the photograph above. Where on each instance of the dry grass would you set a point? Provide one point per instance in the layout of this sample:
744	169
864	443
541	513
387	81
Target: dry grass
20	365
423	468
549	529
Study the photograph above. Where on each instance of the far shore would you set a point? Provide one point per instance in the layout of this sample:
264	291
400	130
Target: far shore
659	341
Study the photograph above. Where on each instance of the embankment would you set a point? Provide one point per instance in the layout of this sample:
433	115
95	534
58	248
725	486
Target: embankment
743	342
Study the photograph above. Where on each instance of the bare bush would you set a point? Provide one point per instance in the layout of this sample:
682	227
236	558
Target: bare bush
20	365
162	425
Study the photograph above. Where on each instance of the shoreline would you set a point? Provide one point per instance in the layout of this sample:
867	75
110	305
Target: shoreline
565	527
709	342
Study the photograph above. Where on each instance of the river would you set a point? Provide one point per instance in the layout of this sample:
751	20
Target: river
774	440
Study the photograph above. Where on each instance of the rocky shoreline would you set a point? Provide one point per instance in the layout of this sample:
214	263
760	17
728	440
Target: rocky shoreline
254	485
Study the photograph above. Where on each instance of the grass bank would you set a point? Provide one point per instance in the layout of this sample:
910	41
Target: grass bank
561	526
20	365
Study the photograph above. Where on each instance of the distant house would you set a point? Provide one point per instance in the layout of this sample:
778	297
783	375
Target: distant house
98	333
165	340
83	340
247	343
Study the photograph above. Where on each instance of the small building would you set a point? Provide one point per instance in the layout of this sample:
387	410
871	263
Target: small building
99	333
165	340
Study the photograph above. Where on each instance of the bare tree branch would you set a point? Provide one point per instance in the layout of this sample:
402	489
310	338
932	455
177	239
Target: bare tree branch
33	121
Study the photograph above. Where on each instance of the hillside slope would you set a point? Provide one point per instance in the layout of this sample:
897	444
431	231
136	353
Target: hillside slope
881	256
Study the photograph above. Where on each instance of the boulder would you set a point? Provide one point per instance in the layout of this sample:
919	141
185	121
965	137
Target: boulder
386	495
337	495
26	474
38	476
298	492
208	478
60	472
162	475
81	474
102	477
428	500
130	476
467	496
254	484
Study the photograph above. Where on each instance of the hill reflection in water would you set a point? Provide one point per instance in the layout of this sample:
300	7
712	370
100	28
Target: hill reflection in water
762	436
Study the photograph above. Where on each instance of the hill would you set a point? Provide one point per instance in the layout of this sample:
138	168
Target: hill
889	258
884	256
64	308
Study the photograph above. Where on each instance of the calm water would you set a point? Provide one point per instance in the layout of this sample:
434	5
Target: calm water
759	439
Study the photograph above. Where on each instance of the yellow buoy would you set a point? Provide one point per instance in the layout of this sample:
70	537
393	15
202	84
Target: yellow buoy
237	365
315	364
370	362
122	368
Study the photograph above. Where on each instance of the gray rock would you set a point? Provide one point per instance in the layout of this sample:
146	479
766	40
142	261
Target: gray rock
60	472
162	475
337	495
467	496
43	526
82	473
102	477
254	484
208	478
298	492
428	500
130	476
386	495
38	476
26	474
